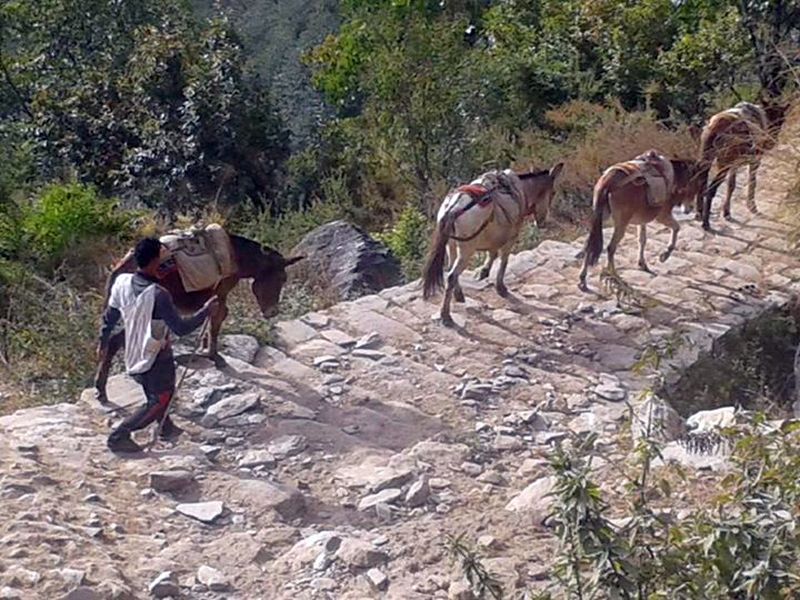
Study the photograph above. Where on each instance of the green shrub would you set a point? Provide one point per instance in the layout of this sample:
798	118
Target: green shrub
48	331
408	239
64	216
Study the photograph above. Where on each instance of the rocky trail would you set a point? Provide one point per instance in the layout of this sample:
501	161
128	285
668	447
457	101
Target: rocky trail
334	464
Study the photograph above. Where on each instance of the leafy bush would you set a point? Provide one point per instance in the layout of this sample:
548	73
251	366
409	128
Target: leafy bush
66	216
408	239
48	331
743	544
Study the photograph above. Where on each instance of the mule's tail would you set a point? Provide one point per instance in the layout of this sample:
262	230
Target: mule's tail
594	243
433	271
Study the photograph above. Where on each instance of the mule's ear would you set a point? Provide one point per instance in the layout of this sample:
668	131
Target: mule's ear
290	261
556	170
695	132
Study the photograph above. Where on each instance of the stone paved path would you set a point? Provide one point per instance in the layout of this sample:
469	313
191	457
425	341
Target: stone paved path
344	455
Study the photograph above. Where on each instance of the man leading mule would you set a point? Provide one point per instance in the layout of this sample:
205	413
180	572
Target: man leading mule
486	215
266	268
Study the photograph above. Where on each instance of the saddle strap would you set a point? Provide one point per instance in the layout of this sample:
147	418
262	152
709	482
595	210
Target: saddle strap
474	235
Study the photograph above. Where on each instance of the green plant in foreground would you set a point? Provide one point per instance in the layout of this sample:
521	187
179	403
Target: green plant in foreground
482	582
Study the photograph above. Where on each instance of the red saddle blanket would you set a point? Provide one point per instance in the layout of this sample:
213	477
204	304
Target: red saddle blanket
478	192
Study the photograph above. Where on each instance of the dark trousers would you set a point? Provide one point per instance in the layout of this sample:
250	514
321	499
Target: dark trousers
159	388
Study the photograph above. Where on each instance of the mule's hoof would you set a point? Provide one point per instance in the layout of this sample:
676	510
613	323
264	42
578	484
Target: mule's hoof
447	321
727	217
502	291
459	297
482	274
698	216
706	225
645	268
753	209
101	396
582	286
664	256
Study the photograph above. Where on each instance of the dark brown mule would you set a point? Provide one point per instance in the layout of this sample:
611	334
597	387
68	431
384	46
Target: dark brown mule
731	139
266	267
626	200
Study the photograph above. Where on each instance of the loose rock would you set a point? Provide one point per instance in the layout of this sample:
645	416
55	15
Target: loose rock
212	579
206	512
164	585
170	481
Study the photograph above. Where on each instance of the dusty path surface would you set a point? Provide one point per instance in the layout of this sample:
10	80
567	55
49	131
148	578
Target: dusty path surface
334	465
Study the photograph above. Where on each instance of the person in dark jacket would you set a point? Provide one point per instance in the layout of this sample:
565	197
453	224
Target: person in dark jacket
149	315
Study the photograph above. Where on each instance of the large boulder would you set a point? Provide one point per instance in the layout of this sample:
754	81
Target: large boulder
346	262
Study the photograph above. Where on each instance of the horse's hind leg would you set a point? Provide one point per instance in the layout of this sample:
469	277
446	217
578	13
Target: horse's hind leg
487	266
711	191
214	327
642	243
752	169
500	285
452	252
619	233
726	206
668	220
456	268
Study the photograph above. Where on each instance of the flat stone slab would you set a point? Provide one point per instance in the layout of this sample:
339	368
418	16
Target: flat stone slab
207	512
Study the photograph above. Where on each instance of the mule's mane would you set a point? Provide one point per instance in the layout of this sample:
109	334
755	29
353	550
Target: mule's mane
532	174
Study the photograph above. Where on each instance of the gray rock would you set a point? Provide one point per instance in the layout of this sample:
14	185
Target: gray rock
418	493
371	340
352	262
170	481
257	458
506	443
212	579
206	396
229	407
358	554
164	585
376	475
367	353
492	477
534	500
287	445
243	347
82	592
476	391
460	590
471	468
386	496
72	577
377	579
325	359
610	390
260	496
206	512
211	452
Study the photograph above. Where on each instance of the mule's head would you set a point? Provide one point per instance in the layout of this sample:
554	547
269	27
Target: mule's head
269	281
690	179
538	187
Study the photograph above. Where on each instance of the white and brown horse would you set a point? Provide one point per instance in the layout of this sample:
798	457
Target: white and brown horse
486	215
733	138
624	193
